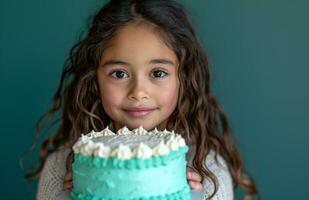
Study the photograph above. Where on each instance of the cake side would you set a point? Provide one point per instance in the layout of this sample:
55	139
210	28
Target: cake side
130	165
112	181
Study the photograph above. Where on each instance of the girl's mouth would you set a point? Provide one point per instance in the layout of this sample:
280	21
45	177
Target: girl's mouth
139	112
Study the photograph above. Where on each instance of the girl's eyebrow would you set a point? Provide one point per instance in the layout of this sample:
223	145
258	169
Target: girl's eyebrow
163	61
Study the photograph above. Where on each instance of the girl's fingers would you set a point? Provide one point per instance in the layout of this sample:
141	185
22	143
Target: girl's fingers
68	185
191	175
194	179
196	185
68	176
68	181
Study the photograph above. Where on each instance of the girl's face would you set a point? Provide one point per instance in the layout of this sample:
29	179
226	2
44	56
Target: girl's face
138	79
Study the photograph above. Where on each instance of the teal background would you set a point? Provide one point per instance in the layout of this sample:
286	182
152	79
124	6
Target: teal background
258	51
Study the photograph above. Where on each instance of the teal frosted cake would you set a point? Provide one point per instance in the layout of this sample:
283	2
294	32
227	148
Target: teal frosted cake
131	165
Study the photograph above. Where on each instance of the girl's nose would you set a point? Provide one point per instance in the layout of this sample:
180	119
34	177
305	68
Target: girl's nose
138	90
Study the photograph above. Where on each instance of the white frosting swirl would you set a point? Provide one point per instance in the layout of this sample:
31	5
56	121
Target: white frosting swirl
102	151
154	131
161	149
181	142
172	143
88	144
123	152
143	151
107	132
140	131
93	134
77	146
124	131
89	148
84	139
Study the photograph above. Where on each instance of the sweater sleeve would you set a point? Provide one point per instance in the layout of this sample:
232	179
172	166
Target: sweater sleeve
219	169
52	176
225	184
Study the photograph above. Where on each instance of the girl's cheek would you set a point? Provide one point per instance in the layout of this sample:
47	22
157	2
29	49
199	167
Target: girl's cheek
171	96
110	95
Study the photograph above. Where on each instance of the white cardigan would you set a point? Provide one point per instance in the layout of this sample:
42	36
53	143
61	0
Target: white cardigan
52	176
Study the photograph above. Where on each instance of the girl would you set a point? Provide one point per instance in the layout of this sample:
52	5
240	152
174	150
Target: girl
141	64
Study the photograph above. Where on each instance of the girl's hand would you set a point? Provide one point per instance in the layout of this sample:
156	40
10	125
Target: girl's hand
194	179
68	184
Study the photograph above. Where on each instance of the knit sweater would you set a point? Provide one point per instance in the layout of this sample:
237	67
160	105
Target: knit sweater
52	176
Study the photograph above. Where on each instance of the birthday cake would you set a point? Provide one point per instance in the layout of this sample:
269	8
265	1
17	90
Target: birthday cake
134	165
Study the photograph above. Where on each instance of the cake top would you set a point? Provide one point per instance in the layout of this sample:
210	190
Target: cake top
126	144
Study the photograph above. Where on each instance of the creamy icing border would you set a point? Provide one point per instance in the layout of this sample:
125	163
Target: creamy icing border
87	147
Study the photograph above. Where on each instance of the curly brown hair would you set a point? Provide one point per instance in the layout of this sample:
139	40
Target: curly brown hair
198	114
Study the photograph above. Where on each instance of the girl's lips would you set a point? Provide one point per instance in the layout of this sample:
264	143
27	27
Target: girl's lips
139	112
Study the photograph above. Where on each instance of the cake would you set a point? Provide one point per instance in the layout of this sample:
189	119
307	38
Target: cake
132	165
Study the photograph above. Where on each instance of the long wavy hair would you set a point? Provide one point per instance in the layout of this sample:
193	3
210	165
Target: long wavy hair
198	115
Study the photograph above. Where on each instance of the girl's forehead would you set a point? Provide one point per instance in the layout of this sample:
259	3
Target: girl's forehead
133	30
137	43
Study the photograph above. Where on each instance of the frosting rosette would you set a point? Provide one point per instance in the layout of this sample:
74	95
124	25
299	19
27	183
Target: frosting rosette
123	145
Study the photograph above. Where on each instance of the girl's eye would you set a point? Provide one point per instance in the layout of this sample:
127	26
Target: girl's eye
158	74
119	74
